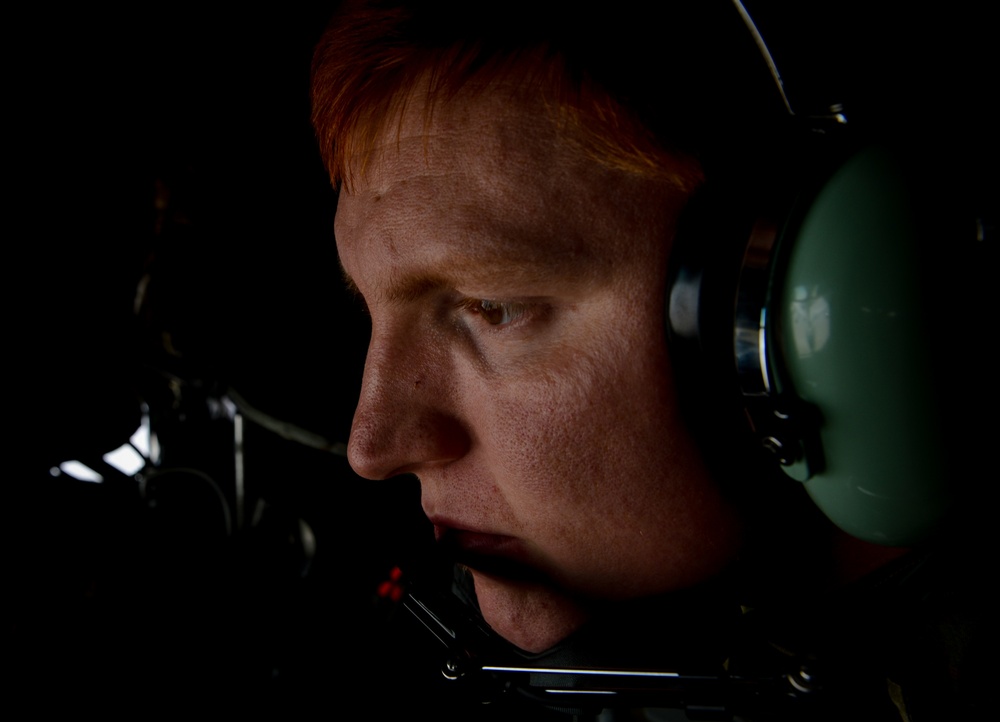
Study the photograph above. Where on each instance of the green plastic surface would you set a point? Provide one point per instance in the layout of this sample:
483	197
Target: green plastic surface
851	335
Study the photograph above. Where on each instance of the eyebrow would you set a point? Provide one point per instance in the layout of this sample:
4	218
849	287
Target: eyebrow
411	289
415	288
545	267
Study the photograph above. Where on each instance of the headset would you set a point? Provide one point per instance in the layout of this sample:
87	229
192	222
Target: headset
828	333
805	310
811	287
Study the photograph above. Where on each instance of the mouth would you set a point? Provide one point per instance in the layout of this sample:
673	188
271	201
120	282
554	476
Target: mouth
498	555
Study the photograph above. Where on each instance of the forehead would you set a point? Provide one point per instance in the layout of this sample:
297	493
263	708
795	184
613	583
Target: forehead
490	175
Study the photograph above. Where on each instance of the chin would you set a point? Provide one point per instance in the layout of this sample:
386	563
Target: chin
529	615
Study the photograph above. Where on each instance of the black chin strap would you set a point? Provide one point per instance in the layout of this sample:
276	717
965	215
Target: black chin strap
819	657
692	650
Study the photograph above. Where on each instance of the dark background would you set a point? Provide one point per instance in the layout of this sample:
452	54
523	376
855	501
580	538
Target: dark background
170	148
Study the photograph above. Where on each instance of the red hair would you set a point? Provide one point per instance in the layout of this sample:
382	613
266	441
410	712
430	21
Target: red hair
374	54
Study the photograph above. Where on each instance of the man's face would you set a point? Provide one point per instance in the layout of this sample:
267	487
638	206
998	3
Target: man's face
518	364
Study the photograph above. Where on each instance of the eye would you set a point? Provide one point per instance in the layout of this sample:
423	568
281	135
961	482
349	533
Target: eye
496	313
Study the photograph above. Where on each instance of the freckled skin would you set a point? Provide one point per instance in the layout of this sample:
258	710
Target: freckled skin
559	429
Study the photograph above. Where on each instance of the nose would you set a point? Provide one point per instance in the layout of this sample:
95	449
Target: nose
406	419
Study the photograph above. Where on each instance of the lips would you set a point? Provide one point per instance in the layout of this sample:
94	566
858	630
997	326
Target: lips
495	554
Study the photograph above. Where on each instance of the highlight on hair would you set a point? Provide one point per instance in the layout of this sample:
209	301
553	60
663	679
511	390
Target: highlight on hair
374	54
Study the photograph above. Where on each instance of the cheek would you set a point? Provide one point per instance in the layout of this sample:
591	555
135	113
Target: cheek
584	433
600	475
550	426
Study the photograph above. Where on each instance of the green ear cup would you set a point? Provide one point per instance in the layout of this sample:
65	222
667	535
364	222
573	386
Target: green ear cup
849	333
